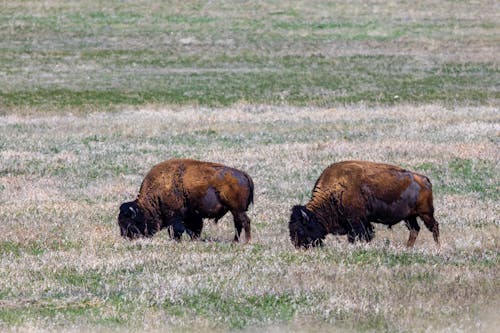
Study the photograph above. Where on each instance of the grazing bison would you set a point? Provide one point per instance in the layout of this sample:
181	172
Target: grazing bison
179	193
349	195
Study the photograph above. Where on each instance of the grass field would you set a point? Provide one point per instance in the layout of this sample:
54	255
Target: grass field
93	55
93	94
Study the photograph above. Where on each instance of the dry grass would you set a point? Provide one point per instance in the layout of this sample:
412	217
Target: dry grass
63	265
93	94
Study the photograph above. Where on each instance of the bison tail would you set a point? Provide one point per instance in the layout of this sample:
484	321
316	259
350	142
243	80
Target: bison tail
251	189
424	181
428	181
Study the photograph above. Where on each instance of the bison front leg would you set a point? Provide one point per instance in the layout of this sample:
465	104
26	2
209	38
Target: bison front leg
359	229
412	225
176	229
194	225
241	221
369	232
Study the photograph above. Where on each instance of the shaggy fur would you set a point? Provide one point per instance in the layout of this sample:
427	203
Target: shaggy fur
349	195
180	193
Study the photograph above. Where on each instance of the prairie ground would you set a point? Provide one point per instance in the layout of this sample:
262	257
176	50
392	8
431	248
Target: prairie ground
64	264
93	94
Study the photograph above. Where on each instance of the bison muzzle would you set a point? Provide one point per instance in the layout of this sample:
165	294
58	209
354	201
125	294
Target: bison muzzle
350	195
178	194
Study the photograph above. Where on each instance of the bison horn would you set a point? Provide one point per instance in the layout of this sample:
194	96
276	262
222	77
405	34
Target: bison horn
134	212
304	215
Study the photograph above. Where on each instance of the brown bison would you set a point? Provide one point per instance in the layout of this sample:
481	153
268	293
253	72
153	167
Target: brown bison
177	194
349	195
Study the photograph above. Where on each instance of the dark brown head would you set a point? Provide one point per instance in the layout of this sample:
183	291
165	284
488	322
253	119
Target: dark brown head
131	221
305	231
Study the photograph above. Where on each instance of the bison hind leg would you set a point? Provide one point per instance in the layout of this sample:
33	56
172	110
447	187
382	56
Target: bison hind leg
412	225
432	225
241	221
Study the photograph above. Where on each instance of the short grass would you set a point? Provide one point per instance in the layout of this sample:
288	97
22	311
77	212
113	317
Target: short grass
91	55
93	94
64	266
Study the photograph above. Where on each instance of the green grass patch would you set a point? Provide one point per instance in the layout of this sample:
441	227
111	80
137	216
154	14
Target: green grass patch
383	257
293	80
20	313
237	312
90	280
36	247
464	176
9	247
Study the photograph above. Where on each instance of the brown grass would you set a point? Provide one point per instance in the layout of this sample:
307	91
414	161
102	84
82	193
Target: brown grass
63	177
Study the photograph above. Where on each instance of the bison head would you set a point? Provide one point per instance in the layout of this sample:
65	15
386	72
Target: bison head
131	221
305	231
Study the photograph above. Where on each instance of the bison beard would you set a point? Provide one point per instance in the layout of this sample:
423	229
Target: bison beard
179	194
349	196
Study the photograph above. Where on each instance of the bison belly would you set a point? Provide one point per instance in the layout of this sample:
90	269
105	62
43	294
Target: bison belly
210	205
382	210
388	213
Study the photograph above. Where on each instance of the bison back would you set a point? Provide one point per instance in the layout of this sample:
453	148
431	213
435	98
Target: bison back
367	188
179	183
233	187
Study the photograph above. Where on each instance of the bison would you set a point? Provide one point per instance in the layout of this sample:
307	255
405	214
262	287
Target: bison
349	195
178	194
